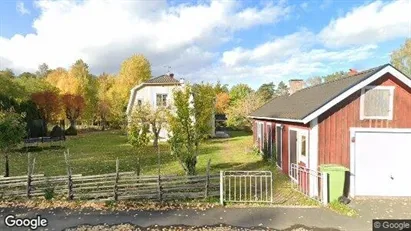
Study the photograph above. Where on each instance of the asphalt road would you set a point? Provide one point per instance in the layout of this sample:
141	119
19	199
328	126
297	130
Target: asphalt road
275	218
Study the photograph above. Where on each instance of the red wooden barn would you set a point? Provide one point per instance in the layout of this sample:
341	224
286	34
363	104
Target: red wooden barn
361	121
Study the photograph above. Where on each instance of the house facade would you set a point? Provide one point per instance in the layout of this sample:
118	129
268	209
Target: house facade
158	92
361	121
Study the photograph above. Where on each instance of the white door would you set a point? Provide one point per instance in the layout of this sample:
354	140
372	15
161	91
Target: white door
382	163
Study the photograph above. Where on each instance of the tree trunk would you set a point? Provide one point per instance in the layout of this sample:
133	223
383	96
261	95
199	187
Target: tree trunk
7	170
155	141
73	124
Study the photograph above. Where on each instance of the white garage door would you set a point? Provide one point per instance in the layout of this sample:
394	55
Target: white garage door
382	163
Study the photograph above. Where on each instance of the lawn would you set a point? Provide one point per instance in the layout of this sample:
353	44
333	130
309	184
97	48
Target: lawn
96	153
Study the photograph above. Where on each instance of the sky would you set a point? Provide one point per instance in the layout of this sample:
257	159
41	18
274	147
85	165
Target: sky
250	41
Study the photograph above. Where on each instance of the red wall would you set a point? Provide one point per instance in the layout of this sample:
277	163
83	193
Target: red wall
286	126
334	125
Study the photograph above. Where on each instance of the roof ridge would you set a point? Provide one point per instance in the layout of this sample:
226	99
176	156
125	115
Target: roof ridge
345	77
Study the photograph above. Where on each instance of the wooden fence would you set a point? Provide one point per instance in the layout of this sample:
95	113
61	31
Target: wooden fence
113	186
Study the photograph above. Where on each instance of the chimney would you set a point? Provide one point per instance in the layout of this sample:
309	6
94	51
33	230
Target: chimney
352	72
171	75
296	85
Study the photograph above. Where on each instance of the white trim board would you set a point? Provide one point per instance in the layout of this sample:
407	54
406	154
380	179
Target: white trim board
279	119
352	90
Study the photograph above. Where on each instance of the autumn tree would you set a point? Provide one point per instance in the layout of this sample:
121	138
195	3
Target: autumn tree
237	115
138	133
87	87
105	83
266	91
48	104
239	92
73	106
190	124
12	132
64	82
401	58
222	102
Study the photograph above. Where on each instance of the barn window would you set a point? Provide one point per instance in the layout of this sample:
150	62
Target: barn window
377	102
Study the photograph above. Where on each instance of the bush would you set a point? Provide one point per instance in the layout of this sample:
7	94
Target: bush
71	131
49	193
269	155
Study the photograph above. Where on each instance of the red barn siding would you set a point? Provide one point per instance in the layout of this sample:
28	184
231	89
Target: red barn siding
286	126
334	125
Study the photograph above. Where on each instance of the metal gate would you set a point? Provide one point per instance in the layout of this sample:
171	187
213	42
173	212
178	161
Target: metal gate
246	186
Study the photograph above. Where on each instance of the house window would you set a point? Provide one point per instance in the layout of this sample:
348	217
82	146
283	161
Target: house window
377	102
139	102
161	100
303	145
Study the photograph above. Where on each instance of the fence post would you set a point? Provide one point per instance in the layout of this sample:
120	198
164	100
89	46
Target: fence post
159	190
207	185
324	188
70	195
116	182
221	188
28	176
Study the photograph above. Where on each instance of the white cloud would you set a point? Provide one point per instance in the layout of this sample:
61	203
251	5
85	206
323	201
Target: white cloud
292	56
21	8
104	33
279	48
371	23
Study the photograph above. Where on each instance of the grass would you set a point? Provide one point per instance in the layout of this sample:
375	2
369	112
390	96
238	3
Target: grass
96	153
342	209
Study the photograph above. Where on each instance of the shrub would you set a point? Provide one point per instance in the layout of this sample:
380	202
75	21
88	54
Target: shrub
71	131
49	193
269	155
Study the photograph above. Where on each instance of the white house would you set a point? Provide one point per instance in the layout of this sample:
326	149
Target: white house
157	91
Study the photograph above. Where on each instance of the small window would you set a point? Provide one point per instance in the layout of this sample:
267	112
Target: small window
139	102
377	102
303	145
161	100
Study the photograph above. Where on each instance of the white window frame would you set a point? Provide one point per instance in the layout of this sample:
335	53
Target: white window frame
279	143
162	100
260	135
390	114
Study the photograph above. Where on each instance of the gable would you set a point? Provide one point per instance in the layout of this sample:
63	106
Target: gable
307	104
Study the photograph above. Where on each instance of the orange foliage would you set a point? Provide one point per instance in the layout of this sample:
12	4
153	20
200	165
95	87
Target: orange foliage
73	106
48	104
222	102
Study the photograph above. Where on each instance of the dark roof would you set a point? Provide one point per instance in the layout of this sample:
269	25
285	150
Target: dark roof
167	79
306	101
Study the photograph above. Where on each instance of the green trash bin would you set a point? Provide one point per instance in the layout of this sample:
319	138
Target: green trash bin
336	181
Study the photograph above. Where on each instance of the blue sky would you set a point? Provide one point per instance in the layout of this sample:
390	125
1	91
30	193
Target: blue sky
251	42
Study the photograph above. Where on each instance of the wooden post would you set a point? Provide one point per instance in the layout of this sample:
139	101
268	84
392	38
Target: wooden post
28	175
116	182
159	189
207	185
221	188
70	194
